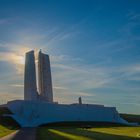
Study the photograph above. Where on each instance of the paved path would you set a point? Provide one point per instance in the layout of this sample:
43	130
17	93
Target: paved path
22	134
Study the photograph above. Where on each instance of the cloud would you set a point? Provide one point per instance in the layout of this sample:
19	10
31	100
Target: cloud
78	77
129	30
69	80
132	16
65	95
60	88
131	72
61	35
15	59
9	97
63	58
14	55
17	85
4	21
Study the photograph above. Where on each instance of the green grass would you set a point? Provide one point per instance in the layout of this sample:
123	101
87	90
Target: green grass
99	130
97	133
5	130
7	124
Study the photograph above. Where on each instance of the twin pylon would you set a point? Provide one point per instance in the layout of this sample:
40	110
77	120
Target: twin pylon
44	91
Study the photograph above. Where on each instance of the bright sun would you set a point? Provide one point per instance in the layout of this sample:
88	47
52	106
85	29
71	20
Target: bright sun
21	59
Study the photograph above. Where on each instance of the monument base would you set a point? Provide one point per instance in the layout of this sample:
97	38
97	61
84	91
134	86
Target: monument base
35	113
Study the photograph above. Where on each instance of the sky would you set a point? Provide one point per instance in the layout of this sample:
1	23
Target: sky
94	48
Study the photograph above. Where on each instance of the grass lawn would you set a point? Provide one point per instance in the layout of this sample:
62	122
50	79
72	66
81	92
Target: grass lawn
5	131
97	133
7	124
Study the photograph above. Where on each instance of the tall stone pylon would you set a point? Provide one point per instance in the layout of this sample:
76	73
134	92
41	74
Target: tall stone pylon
44	77
30	88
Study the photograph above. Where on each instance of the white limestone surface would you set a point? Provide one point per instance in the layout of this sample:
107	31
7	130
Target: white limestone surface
34	113
30	87
45	79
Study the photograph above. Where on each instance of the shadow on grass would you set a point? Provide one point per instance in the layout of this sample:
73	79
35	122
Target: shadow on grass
7	121
99	135
77	134
82	124
45	134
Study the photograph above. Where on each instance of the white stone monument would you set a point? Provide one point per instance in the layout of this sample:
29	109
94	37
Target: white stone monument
30	88
44	77
39	109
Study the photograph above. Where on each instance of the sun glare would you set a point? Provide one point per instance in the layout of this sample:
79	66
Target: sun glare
17	59
22	60
19	56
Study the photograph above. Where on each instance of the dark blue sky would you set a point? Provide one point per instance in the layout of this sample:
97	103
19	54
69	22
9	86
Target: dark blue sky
94	46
